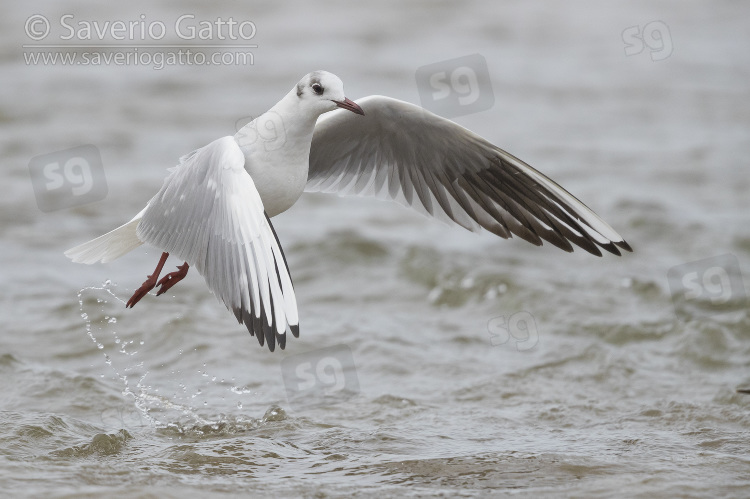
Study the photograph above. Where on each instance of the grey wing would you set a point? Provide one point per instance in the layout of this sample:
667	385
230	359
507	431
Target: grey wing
402	152
209	213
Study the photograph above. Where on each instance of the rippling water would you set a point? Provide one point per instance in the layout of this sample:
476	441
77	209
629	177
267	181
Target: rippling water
464	365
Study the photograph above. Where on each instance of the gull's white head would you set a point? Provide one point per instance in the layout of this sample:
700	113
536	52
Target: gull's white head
321	91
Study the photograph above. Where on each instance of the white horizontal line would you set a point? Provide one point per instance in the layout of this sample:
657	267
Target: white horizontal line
139	46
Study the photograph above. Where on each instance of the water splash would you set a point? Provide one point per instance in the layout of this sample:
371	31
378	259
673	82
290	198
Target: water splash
140	396
120	355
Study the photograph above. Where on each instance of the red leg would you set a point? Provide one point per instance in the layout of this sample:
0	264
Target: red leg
172	278
149	284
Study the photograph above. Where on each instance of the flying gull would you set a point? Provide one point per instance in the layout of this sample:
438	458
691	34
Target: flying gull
213	211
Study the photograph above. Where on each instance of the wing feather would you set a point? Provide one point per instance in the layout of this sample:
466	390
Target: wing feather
401	152
209	213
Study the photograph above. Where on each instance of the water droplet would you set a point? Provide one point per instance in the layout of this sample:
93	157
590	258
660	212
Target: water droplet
467	282
112	320
239	405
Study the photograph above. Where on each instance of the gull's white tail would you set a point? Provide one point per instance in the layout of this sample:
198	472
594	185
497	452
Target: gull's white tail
111	245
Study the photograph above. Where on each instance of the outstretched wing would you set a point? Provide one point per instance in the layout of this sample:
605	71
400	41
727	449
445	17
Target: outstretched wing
402	152
209	213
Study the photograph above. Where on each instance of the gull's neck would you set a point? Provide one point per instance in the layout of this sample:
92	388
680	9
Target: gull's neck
282	133
297	121
276	146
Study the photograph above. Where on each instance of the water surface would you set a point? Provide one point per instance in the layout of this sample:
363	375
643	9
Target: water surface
614	391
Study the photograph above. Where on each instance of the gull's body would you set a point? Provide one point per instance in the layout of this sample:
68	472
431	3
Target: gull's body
276	146
214	207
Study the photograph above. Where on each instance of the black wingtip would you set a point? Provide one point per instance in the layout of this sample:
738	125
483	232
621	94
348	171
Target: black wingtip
593	249
266	332
624	245
258	328
281	340
295	330
270	329
611	248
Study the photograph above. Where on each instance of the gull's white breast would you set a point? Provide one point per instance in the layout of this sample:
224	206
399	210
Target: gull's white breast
277	159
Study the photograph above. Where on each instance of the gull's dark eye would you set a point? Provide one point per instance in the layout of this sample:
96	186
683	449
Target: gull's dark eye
317	88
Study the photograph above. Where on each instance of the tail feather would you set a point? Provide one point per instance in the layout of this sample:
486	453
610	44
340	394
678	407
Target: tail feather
106	248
